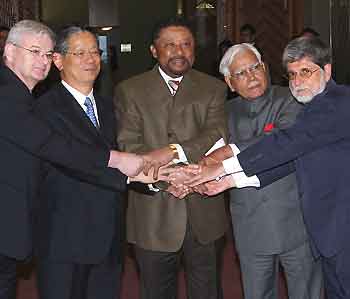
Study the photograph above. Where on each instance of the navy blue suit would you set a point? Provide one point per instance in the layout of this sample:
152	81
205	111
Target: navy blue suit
319	144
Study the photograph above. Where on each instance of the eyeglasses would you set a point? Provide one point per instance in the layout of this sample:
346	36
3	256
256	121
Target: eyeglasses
37	53
254	69
83	54
304	73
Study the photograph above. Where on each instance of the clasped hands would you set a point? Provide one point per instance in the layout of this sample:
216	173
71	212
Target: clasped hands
157	165
206	178
184	179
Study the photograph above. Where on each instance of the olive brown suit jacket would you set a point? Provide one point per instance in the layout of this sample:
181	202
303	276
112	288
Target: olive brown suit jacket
150	118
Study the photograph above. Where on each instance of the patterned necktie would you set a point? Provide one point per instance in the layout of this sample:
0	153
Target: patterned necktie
90	111
174	85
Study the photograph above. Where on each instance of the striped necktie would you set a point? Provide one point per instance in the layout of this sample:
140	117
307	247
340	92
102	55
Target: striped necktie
90	111
174	85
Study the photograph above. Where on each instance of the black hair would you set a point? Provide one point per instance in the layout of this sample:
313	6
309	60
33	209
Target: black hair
311	31
248	27
64	35
174	21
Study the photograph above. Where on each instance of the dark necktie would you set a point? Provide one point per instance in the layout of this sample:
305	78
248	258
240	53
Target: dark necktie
174	85
90	111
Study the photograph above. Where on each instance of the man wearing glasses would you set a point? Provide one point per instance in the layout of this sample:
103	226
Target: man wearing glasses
80	225
24	138
268	225
318	145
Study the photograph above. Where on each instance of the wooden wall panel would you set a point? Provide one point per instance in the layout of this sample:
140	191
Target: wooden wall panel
12	11
276	21
340	35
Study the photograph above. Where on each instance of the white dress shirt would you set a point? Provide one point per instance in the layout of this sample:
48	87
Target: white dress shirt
180	151
233	167
80	98
167	78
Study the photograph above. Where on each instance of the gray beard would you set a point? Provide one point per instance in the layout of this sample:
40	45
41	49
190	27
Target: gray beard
307	99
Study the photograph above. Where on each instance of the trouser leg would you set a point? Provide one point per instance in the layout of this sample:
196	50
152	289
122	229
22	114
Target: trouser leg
62	280
7	277
202	263
303	273
259	275
158	273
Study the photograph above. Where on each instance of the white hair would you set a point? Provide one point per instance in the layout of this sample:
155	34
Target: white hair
230	54
24	27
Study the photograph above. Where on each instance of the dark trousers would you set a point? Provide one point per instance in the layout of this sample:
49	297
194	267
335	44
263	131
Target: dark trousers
336	271
7	277
202	265
79	281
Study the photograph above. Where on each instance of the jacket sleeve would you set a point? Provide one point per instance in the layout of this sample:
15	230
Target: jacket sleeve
322	122
22	128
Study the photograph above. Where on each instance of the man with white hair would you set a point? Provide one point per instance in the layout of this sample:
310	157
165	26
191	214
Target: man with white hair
268	225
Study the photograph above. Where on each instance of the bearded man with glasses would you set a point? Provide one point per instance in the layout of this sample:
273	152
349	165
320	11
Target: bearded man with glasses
318	147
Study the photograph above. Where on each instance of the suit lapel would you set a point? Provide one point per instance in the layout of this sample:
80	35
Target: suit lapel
106	120
187	91
72	113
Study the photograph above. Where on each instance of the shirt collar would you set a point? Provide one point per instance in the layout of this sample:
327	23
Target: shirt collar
78	95
166	77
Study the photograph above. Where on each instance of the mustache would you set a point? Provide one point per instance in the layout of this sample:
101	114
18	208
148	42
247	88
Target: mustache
253	84
300	88
183	58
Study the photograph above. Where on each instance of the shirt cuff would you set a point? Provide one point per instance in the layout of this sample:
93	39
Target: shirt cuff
217	144
241	180
182	156
152	188
231	165
235	149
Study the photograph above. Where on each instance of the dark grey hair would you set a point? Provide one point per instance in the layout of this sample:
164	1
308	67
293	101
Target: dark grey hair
28	27
230	54
66	34
307	47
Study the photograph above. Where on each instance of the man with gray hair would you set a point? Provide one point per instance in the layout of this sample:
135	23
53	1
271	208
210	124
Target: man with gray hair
268	224
79	225
318	146
24	138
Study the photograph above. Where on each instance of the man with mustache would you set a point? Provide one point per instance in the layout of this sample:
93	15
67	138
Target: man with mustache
175	121
268	224
318	147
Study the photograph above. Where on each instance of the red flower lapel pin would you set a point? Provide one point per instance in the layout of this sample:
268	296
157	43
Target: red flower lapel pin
269	127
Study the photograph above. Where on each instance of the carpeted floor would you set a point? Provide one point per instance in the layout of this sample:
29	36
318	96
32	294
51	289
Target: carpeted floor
230	280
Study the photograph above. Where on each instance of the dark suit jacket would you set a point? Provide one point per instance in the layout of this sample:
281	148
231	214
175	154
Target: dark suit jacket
319	142
265	220
23	135
78	221
149	118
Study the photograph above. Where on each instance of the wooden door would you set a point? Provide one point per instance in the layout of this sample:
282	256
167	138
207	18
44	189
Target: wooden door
340	40
276	22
